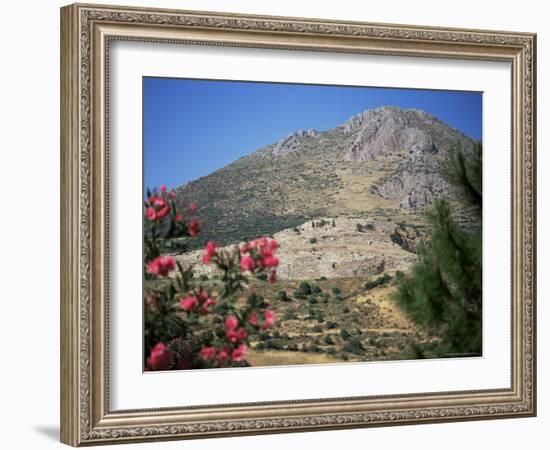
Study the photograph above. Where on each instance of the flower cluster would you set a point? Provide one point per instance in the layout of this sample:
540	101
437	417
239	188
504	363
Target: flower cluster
255	257
259	255
161	357
161	266
187	325
160	206
199	303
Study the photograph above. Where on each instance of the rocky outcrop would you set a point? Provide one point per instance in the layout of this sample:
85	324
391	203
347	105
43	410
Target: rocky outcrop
385	131
289	144
406	238
412	189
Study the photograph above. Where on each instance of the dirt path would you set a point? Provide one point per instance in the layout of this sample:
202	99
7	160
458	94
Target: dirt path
285	358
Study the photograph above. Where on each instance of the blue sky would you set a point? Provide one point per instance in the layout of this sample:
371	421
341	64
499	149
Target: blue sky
194	127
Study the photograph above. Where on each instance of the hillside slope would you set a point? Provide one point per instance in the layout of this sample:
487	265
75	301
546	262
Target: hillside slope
386	162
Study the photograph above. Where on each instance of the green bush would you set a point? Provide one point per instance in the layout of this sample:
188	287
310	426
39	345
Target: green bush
328	340
282	296
336	290
354	345
303	290
274	344
313	240
380	281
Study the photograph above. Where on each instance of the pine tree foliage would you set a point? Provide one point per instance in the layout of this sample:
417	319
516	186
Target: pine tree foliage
443	291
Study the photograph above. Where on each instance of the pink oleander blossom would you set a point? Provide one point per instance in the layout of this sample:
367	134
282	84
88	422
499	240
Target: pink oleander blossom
269	319
239	352
231	323
188	303
223	355
270	261
157	208
161	266
205	307
161	357
208	353
237	335
209	252
151	213
247	263
253	319
194	227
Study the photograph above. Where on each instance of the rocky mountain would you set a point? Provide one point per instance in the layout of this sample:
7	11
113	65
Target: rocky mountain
385	163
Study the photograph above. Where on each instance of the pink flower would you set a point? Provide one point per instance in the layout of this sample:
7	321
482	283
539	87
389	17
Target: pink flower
163	188
239	352
193	228
273	245
161	207
241	334
245	248
193	207
231	323
179	217
223	354
269	319
151	213
208	353
270	261
247	263
172	195
158	208
238	335
188	303
253	319
272	277
161	266
205	307
161	357
209	251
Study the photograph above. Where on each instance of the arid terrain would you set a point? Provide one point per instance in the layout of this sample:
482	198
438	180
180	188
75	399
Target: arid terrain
348	209
333	294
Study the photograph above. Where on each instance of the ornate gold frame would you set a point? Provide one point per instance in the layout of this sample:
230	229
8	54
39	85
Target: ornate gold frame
86	31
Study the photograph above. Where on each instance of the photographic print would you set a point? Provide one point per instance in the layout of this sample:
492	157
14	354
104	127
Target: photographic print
308	224
299	205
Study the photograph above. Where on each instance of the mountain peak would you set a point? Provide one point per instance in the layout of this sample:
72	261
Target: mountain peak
289	143
390	129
